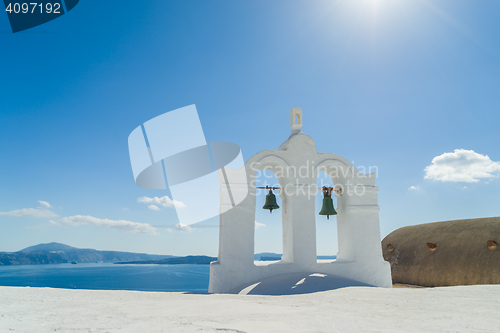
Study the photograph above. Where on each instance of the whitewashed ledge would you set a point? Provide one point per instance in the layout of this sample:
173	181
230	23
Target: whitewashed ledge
353	309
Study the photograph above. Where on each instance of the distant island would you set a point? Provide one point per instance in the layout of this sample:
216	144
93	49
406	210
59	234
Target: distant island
270	256
193	260
57	253
205	260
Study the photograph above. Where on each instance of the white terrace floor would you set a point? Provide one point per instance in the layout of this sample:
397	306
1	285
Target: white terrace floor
353	309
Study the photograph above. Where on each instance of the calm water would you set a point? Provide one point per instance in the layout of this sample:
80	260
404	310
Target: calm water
107	276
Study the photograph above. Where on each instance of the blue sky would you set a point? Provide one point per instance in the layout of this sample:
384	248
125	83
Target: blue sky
392	84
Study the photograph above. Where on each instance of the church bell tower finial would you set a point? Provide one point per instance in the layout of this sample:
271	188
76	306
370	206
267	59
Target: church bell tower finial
296	120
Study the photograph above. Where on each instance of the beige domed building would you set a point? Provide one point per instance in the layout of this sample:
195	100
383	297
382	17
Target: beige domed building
461	252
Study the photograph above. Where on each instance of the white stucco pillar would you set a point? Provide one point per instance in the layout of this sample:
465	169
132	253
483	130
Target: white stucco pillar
358	224
301	212
236	241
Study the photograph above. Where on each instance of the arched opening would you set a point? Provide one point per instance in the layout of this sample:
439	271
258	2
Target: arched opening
297	118
326	229
268	241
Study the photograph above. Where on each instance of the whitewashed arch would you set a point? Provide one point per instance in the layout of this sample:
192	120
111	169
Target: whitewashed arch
274	164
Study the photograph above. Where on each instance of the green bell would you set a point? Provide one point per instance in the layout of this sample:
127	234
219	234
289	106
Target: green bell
327	208
271	202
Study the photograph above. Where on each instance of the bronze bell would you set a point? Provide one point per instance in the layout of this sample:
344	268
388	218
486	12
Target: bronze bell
271	201
327	208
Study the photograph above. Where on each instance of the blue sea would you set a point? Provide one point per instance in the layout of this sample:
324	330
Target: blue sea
108	276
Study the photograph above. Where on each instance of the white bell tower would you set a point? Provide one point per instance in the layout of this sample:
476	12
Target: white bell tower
359	258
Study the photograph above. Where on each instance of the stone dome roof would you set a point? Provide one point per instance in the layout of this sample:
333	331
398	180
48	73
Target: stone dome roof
461	252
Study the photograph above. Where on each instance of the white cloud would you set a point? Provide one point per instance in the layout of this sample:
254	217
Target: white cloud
128	226
163	201
31	212
44	204
414	188
183	227
258	225
462	166
153	207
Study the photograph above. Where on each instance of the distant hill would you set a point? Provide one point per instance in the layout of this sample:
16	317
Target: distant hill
56	253
48	247
197	260
327	257
269	256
